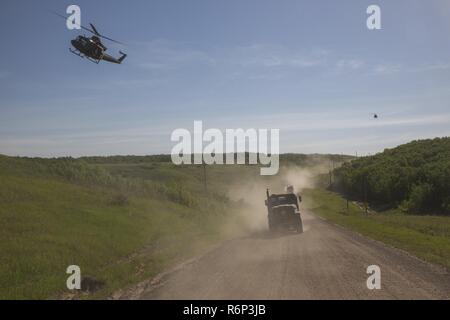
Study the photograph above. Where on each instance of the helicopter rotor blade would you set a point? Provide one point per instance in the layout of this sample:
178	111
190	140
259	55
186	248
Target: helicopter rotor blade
93	30
104	37
81	26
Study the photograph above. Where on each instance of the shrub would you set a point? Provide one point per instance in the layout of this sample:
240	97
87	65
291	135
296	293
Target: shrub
419	198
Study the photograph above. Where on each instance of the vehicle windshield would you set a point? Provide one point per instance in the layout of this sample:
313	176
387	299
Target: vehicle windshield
285	199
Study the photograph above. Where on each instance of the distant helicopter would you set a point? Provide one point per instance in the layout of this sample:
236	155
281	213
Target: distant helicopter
92	48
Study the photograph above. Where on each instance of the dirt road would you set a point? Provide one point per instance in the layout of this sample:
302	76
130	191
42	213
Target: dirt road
325	262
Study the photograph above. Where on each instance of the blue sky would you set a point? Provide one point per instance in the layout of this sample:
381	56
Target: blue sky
309	68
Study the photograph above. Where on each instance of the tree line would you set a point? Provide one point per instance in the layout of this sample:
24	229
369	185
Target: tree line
413	176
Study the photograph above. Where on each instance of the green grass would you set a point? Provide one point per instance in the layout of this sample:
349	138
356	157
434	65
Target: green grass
425	236
119	229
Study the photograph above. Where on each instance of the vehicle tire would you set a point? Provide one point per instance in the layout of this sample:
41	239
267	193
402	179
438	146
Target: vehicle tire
300	226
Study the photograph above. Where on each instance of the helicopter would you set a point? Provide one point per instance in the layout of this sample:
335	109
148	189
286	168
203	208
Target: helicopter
92	48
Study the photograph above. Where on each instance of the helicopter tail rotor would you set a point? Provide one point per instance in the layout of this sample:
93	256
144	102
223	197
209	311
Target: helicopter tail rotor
124	55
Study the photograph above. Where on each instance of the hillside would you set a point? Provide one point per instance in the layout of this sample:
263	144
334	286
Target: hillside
414	176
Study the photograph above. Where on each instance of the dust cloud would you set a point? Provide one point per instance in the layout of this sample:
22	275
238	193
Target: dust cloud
250	193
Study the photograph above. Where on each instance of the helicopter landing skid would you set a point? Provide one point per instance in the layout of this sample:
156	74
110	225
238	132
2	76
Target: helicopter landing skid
78	53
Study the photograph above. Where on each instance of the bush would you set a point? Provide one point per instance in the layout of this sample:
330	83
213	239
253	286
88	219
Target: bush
446	204
177	193
420	198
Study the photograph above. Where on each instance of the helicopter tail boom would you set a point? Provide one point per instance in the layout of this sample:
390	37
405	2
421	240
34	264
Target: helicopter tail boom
109	58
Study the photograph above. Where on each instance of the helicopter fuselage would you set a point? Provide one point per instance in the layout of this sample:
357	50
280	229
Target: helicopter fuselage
93	50
88	47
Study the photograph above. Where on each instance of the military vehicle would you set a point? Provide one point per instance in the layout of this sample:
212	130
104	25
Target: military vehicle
283	212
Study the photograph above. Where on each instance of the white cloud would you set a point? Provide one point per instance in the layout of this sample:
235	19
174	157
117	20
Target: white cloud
432	67
386	69
327	121
350	64
259	61
269	56
163	55
168	55
357	121
389	69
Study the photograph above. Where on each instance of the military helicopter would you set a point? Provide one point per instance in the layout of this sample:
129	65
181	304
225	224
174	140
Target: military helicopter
92	48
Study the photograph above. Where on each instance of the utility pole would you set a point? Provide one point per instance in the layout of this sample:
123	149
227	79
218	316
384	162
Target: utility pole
204	177
332	166
365	194
330	179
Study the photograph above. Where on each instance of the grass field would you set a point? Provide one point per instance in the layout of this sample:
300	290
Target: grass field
119	223
425	236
